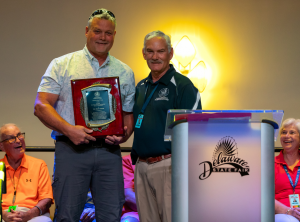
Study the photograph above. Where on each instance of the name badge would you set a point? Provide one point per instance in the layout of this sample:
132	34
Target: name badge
294	200
12	208
139	121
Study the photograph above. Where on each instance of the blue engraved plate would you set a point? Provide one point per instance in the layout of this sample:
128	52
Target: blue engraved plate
98	105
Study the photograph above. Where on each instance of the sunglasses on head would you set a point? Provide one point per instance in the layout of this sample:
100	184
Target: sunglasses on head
99	12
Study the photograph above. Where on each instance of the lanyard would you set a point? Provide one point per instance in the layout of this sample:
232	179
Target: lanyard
148	99
141	115
290	178
15	187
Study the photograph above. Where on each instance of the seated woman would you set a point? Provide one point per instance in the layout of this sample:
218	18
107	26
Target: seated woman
287	172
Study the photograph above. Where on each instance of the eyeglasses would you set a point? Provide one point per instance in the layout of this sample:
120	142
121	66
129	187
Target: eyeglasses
99	12
20	136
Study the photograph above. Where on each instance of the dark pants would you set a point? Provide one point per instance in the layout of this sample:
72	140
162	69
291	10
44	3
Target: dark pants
84	166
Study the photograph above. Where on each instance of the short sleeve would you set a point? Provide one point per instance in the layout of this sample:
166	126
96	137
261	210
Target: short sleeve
50	80
44	185
189	98
128	92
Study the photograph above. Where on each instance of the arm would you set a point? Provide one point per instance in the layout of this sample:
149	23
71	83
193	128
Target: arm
128	91
6	216
130	200
44	205
282	209
128	175
88	215
189	98
128	121
43	109
128	127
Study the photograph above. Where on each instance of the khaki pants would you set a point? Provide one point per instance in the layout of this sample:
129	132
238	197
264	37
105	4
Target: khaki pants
152	184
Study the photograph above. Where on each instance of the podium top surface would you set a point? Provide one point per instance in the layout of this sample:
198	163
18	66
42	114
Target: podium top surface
175	116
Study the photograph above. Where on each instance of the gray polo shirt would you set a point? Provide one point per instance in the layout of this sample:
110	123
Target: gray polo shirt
83	65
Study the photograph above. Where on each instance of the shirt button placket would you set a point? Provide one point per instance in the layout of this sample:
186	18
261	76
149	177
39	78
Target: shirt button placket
99	72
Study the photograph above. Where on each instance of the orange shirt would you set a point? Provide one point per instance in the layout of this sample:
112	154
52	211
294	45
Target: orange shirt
34	184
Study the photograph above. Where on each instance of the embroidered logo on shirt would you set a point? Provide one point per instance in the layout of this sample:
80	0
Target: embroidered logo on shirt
162	94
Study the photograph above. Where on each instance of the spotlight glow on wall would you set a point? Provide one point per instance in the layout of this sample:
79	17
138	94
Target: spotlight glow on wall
184	54
199	76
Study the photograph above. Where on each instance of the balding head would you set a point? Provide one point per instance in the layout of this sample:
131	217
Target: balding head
12	142
4	128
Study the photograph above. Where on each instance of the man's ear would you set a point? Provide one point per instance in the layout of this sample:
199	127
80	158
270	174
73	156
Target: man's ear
86	31
143	51
171	53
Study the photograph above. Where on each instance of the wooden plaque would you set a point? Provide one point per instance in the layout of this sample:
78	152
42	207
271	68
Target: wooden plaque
97	105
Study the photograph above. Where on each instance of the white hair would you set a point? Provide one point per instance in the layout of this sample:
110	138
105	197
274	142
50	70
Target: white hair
105	15
4	127
158	34
290	121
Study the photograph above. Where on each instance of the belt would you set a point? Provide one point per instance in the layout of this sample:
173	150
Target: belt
100	142
151	160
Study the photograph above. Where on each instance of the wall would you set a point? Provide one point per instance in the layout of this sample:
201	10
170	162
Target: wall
252	48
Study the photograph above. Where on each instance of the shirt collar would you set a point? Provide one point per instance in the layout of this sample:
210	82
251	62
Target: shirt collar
165	79
280	159
91	57
24	162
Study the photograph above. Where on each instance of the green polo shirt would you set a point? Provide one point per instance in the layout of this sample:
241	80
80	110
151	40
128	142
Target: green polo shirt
174	91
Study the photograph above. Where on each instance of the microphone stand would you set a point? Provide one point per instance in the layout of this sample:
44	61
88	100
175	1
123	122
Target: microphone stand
2	184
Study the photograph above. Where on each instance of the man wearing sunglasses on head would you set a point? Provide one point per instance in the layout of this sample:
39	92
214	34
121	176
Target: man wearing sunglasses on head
28	192
81	160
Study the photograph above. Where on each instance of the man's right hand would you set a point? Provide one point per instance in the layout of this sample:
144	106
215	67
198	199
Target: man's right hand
14	216
44	110
7	216
79	134
88	215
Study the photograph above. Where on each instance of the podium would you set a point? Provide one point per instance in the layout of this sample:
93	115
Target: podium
223	164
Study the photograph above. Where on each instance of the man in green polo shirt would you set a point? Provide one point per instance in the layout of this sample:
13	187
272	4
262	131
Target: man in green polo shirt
162	90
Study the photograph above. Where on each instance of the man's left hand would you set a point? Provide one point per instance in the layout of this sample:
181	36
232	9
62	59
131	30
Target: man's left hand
18	216
116	140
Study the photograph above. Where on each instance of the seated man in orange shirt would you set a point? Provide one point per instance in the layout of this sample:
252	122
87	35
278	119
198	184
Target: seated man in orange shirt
28	187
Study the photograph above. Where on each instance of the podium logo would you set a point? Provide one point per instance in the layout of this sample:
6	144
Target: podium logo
225	154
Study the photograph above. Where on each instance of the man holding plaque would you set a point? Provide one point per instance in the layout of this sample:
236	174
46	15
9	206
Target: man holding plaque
83	161
162	90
